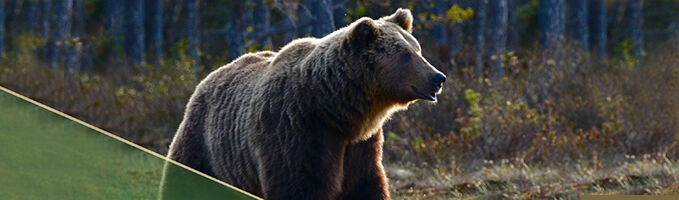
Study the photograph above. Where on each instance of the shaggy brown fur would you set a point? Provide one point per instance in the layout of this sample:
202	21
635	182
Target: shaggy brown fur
305	123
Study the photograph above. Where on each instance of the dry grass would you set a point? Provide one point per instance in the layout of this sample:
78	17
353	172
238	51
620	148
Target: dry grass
645	175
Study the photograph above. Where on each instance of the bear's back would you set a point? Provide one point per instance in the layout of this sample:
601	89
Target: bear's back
227	92
235	94
241	69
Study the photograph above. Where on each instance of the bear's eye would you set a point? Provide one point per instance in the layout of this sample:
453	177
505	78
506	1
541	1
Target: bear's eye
405	58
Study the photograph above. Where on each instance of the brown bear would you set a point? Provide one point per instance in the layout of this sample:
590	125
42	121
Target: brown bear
305	122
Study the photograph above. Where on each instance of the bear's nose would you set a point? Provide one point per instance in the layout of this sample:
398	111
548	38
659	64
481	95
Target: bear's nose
439	79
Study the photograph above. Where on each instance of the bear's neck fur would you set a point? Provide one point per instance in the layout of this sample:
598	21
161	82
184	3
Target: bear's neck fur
335	78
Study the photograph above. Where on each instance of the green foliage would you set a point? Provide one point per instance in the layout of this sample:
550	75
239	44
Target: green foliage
24	44
471	126
178	50
623	51
659	15
455	14
392	137
528	11
358	9
27	42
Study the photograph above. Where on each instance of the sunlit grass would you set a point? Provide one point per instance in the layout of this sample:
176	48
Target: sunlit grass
491	180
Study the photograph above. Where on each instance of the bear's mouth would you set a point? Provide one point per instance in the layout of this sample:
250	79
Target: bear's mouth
428	96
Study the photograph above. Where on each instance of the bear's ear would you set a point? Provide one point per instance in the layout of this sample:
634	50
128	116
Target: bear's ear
403	18
364	32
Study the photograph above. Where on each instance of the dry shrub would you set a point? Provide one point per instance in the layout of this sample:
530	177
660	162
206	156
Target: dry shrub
544	111
143	104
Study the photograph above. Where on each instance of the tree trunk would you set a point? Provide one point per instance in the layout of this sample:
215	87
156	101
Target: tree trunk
263	23
304	15
174	30
598	27
455	37
514	25
675	36
113	25
3	13
62	20
192	36
439	32
636	28
43	30
134	30
33	15
237	41
323	22
74	56
479	35
551	24
15	23
578	31
44	22
339	12
154	30
498	37
289	19
78	15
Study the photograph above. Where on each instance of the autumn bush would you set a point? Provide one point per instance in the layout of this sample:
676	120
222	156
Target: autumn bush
143	104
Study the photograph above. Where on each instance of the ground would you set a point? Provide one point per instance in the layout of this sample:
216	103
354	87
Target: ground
504	180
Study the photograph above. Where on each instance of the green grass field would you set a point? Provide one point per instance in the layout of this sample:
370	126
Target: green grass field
46	156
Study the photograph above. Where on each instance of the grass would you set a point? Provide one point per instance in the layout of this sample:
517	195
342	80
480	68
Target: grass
45	155
636	176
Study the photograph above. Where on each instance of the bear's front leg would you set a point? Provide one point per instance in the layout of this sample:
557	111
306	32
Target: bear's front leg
302	168
364	176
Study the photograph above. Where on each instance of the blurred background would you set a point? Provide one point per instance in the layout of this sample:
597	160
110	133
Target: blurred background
546	98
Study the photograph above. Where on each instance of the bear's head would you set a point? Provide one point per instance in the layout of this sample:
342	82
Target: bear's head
401	73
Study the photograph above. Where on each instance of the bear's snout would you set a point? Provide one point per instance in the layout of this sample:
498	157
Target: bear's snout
438	80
